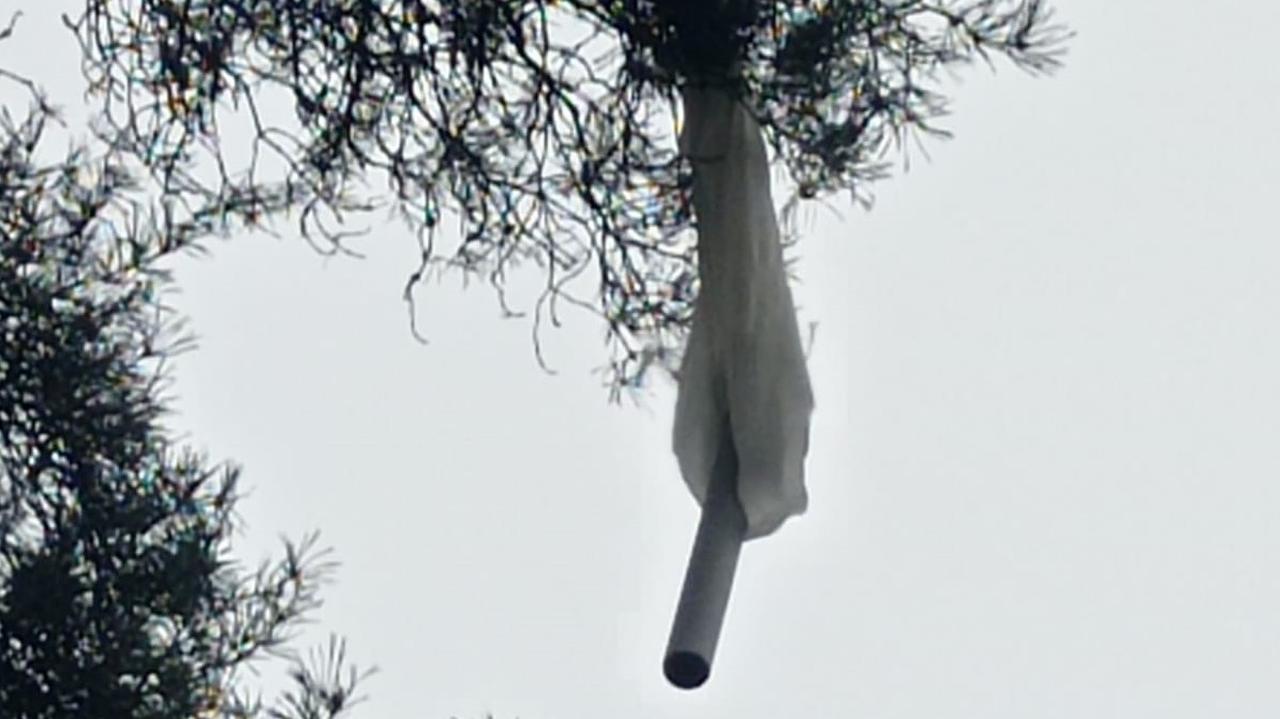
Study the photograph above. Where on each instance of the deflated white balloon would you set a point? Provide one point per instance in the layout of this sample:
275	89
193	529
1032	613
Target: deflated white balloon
744	369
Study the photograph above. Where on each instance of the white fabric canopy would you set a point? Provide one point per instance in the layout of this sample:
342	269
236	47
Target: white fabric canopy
744	369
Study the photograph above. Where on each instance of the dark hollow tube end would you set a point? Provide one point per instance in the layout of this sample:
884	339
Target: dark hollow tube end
686	670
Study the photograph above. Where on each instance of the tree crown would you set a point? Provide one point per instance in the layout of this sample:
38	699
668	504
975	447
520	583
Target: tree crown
546	126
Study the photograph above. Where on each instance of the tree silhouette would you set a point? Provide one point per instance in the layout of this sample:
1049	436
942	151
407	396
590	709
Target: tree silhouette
118	595
546	126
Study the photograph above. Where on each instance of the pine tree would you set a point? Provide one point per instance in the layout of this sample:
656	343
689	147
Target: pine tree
546	126
118	593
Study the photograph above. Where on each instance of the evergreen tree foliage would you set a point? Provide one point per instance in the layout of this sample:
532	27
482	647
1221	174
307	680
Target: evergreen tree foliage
118	593
546	126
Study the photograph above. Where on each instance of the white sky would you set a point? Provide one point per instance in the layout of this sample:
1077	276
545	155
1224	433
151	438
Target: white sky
1043	474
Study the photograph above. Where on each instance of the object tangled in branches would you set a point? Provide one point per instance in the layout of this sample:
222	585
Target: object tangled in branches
547	126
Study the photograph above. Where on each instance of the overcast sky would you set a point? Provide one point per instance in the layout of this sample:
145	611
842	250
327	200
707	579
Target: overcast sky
1044	466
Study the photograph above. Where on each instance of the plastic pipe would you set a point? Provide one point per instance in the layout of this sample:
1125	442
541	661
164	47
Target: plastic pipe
709	577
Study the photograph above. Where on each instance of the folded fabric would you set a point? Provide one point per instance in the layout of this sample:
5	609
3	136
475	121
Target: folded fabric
744	369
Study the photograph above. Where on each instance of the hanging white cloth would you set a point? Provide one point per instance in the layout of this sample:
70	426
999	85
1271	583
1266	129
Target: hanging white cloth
743	370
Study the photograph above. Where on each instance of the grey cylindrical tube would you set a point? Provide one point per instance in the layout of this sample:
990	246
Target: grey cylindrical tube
709	577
